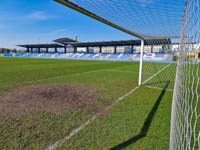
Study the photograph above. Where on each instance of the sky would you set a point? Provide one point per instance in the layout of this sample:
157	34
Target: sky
42	21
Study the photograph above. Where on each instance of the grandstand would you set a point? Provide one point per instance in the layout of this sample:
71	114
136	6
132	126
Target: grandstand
129	50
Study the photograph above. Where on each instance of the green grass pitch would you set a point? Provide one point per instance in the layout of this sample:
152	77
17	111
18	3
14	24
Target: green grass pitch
141	121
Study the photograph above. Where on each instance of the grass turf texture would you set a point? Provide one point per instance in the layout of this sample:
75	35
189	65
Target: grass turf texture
140	121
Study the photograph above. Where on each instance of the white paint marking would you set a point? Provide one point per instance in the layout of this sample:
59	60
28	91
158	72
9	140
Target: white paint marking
76	74
85	124
156	74
32	81
61	142
121	71
125	71
158	88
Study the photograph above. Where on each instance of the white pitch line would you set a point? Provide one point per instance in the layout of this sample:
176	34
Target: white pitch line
61	142
158	88
122	71
32	81
76	74
156	74
85	124
126	71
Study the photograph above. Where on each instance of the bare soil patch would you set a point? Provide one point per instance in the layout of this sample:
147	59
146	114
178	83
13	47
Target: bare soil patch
52	98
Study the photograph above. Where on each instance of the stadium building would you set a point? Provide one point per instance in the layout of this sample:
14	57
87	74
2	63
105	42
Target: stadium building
67	45
125	50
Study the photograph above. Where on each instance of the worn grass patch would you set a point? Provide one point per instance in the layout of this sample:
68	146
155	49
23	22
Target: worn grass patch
54	98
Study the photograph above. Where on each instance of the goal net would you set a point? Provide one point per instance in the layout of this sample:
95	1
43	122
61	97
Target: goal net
185	118
161	19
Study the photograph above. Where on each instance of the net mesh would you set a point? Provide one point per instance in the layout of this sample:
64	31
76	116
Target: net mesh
147	18
159	64
185	124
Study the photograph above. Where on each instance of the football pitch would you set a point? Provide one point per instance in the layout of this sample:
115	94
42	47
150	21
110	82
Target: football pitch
106	108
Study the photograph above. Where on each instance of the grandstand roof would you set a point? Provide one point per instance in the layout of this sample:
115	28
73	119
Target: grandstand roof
123	43
41	45
102	43
140	18
64	40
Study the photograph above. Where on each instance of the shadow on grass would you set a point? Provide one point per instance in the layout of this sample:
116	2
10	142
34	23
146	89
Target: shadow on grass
146	125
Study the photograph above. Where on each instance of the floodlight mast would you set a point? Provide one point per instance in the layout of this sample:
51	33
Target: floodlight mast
96	17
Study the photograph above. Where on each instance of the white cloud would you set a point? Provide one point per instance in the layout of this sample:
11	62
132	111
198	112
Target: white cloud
58	31
39	15
145	3
55	33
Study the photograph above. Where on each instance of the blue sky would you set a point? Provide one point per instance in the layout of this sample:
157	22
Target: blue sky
41	21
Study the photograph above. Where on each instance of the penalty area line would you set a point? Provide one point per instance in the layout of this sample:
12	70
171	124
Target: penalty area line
143	84
53	78
85	124
123	71
58	77
156	74
152	87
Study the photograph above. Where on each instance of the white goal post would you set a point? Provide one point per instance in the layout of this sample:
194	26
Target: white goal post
141	62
